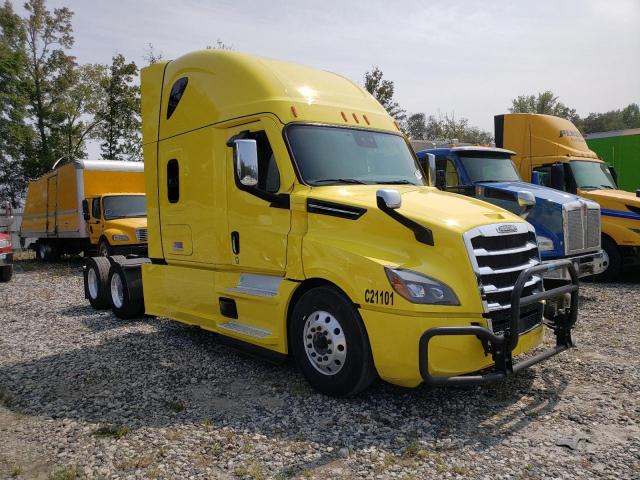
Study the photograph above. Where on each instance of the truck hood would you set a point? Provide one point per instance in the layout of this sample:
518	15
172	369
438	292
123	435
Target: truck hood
615	201
425	205
539	191
128	223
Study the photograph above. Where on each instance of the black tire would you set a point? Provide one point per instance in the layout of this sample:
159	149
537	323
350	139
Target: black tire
46	251
104	249
356	370
123	304
96	273
613	271
6	272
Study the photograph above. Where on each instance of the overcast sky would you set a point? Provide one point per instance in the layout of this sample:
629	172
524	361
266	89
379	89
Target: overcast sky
466	57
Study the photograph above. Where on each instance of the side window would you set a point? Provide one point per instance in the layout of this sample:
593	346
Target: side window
95	208
545	175
176	94
268	174
173	181
453	180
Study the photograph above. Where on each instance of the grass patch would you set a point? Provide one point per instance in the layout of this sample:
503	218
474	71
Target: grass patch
175	406
459	469
6	399
251	470
111	431
65	473
15	471
135	463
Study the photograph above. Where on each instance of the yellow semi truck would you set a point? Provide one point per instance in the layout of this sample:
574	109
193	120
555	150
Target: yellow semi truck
87	206
552	152
289	214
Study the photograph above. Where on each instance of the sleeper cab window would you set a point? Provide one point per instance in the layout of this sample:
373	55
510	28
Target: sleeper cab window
173	181
176	94
268	174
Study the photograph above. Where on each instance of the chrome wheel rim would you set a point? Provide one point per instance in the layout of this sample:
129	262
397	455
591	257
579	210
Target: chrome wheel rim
92	283
324	342
117	291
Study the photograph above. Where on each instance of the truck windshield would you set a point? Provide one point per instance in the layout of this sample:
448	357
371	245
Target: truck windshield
336	155
489	169
591	175
124	206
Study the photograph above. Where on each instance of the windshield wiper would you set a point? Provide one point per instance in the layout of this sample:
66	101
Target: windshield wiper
340	180
607	186
394	182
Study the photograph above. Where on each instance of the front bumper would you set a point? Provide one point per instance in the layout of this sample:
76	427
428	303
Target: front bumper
6	258
502	346
140	250
586	265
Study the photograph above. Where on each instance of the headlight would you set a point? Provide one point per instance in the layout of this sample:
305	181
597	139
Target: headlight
418	288
544	244
120	238
5	243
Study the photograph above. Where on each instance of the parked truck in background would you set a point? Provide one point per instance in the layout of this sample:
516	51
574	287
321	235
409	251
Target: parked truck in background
567	226
621	150
6	247
551	151
288	213
90	206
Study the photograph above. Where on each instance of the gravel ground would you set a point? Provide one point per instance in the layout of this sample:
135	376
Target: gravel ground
85	395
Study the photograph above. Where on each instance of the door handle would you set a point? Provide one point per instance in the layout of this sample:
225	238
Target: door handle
235	242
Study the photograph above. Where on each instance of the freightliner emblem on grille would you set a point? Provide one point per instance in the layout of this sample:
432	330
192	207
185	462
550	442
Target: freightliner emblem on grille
506	228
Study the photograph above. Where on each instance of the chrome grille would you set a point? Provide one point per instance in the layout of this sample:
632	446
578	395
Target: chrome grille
142	234
498	259
581	225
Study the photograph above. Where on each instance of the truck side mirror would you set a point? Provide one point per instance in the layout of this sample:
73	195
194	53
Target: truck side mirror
85	210
441	179
557	176
246	159
431	162
389	197
526	201
614	174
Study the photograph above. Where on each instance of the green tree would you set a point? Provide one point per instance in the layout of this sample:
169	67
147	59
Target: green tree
383	91
49	76
16	136
446	128
628	117
546	103
118	116
152	55
415	126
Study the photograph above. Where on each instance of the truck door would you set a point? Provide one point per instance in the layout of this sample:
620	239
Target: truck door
52	202
258	229
95	222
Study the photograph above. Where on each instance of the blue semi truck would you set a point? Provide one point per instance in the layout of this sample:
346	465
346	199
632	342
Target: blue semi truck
567	226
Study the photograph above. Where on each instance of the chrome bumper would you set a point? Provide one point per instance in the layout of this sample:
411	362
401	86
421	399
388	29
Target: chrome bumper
586	265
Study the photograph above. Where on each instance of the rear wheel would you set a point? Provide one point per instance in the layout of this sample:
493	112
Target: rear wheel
330	344
96	276
124	304
614	269
46	251
6	273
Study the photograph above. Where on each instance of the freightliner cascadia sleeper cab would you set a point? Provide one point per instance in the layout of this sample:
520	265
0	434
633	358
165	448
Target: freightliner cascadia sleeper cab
551	151
567	226
287	212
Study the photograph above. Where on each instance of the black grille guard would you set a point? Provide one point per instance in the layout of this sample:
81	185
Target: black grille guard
501	346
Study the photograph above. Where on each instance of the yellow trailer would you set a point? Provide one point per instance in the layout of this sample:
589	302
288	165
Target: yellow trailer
87	205
288	213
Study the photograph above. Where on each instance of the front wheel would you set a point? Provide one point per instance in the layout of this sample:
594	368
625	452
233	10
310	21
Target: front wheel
614	268
330	344
104	249
6	273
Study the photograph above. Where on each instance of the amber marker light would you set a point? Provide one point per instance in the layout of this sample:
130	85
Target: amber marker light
344	116
366	119
294	111
355	118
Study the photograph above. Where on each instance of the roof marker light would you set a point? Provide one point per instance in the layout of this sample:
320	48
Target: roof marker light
366	119
355	118
294	111
344	116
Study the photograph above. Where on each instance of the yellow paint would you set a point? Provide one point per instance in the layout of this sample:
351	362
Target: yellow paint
537	141
53	209
228	93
